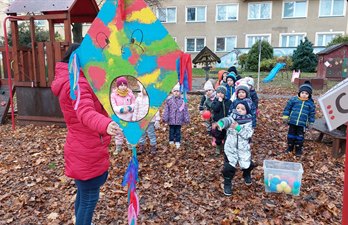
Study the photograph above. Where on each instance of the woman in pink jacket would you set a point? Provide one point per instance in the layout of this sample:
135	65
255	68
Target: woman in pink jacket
122	101
86	147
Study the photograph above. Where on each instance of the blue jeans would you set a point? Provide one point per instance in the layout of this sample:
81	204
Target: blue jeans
175	133
87	197
150	133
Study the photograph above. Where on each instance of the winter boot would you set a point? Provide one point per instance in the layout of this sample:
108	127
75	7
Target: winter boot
227	186
153	149
177	145
141	149
298	149
247	174
291	145
218	149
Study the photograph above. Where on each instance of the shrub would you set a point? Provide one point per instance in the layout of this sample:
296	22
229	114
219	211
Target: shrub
253	55
304	58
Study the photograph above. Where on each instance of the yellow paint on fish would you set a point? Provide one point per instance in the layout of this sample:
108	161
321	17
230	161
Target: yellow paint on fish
144	16
150	78
114	46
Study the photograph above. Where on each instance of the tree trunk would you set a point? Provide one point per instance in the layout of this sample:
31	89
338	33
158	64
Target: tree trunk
77	32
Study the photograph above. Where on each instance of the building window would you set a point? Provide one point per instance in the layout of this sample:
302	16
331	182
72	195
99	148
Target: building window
167	15
294	9
291	40
323	39
194	44
259	11
196	14
252	39
225	44
332	7
226	12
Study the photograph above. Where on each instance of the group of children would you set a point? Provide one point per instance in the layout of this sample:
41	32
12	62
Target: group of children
233	106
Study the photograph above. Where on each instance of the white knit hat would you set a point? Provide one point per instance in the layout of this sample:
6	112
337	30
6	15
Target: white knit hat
208	85
176	87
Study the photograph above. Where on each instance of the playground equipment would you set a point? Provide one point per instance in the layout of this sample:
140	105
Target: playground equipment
273	72
295	75
32	68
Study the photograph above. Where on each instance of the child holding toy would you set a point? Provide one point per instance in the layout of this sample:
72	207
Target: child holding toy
237	147
299	113
206	102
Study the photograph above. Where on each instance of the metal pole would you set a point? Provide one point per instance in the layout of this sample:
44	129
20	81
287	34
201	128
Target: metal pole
258	69
345	188
9	77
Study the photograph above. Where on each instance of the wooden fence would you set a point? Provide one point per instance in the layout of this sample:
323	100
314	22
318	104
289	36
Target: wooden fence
32	67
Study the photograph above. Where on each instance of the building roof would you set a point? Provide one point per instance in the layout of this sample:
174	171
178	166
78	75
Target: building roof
332	48
80	10
206	56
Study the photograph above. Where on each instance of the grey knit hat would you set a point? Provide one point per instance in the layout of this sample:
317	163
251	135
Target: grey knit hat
221	89
244	88
307	87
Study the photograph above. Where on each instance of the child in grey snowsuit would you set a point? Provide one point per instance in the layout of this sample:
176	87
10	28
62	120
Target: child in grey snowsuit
237	147
175	115
299	113
206	102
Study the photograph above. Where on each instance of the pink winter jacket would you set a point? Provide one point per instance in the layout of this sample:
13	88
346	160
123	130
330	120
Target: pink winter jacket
118	104
141	108
86	147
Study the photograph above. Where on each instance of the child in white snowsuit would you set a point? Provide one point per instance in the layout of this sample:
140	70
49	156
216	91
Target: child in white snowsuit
141	108
237	147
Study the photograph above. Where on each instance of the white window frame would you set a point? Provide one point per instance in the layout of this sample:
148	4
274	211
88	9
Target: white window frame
257	35
290	34
195	37
259	3
232	4
324	33
166	8
306	13
230	36
196	6
343	13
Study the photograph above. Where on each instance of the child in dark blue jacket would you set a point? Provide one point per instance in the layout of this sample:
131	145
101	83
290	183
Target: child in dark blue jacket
299	113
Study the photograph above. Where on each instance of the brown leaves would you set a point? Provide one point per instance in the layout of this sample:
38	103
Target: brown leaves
176	186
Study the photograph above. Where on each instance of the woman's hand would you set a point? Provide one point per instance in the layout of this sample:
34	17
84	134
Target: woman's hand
113	128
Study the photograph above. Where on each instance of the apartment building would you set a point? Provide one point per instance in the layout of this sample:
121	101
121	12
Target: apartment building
224	25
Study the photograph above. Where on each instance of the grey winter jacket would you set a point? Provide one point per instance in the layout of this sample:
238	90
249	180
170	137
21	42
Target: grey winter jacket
237	147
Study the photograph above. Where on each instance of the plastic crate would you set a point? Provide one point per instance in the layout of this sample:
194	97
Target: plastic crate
282	177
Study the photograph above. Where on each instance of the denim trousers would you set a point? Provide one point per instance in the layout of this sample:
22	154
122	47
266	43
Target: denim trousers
87	197
175	133
150	131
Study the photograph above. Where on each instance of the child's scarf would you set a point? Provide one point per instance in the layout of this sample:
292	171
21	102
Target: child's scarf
122	93
241	119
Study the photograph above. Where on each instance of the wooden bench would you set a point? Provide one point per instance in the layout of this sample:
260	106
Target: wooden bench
338	135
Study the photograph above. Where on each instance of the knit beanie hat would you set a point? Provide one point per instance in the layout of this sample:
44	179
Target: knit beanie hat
244	88
232	75
221	89
233	69
306	87
208	86
121	80
176	87
246	105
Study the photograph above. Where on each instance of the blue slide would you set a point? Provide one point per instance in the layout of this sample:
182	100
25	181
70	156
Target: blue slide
273	72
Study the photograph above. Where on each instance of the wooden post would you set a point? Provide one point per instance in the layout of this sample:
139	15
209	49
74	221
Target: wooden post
51	30
35	80
67	29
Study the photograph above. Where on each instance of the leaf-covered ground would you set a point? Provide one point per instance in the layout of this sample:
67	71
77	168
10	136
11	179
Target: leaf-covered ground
176	186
